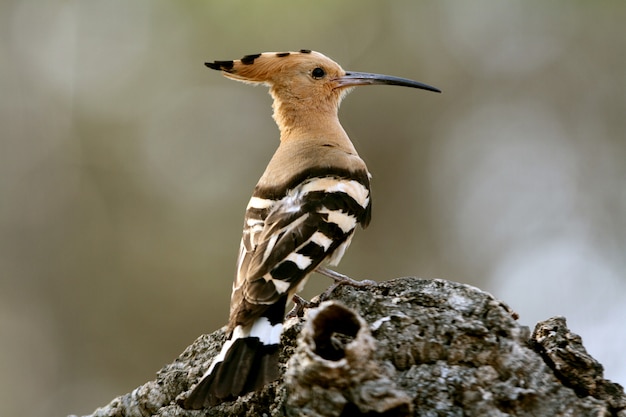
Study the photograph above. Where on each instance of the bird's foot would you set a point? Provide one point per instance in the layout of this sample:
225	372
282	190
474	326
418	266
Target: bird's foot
341	279
299	305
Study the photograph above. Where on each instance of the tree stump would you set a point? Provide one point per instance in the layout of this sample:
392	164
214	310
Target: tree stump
406	347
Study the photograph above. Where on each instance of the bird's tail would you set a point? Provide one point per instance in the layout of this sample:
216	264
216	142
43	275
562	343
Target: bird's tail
247	361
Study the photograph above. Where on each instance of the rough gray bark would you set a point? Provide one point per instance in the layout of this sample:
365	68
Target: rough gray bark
405	347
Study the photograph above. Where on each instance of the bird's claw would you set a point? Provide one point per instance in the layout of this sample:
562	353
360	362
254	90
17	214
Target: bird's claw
299	305
341	279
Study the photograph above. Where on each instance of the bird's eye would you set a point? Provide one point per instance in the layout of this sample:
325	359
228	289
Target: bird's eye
318	73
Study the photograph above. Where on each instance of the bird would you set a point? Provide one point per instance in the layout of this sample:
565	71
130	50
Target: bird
302	214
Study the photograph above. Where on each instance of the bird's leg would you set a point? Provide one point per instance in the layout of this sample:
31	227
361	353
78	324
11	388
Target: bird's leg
299	304
340	279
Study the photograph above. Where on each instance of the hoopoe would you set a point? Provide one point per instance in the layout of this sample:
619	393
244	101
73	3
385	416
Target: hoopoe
302	214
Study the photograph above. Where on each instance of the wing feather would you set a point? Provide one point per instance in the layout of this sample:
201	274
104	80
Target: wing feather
285	239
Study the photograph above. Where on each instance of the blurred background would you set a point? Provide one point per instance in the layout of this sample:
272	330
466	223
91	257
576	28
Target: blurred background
126	166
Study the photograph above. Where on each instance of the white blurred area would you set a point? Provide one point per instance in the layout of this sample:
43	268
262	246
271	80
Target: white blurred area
539	213
126	165
536	184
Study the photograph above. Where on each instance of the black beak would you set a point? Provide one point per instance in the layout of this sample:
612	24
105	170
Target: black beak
365	78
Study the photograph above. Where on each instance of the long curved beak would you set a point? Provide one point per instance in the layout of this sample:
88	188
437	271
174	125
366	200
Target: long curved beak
365	78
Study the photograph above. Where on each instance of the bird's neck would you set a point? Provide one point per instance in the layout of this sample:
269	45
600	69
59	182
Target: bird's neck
310	121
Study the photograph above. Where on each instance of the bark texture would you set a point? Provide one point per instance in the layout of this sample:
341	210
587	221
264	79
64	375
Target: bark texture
407	347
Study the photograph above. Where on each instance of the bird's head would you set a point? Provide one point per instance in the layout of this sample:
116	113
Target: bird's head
303	81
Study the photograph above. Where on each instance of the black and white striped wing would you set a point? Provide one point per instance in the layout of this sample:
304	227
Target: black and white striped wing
285	239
